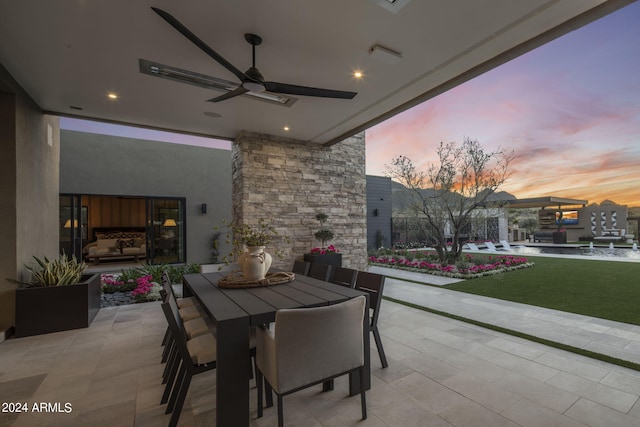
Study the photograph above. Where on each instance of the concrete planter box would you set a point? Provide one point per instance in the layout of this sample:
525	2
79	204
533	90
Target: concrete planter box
58	308
330	259
559	237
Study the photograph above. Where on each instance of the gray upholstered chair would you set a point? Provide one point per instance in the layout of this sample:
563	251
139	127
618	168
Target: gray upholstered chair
309	346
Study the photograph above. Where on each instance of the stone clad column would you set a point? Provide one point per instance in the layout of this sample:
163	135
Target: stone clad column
286	182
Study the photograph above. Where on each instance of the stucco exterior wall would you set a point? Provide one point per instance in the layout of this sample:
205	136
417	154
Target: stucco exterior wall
29	188
109	165
286	182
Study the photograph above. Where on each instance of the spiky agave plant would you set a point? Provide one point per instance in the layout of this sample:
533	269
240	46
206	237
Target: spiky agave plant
56	272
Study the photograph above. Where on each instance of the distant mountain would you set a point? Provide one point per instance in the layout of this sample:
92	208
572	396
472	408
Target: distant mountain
401	199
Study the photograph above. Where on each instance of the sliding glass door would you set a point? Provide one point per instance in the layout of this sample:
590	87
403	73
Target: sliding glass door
73	221
159	222
166	230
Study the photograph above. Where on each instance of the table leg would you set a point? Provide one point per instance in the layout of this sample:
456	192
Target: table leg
232	375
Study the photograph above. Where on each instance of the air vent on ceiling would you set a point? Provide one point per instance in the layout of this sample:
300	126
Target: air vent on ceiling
201	80
393	6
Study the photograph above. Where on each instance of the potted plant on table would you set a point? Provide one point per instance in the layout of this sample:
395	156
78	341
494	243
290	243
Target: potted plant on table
249	243
59	297
324	255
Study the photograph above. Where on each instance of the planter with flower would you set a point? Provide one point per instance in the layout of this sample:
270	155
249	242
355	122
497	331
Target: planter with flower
249	243
59	297
560	235
324	254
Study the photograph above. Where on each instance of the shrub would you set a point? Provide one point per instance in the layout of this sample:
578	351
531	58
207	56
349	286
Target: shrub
56	272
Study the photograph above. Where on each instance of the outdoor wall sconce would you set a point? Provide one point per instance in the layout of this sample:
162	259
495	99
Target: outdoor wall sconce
203	208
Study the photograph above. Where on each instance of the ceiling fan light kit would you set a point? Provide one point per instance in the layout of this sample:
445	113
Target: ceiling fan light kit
251	80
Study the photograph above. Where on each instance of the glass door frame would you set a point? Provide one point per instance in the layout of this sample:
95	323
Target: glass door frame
166	230
73	218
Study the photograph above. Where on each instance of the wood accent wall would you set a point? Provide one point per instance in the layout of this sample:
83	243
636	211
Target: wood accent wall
108	211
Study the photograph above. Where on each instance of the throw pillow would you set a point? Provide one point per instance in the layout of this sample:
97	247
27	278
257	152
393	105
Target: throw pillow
126	243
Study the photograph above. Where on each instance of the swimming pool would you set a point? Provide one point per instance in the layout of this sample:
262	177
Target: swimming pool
627	253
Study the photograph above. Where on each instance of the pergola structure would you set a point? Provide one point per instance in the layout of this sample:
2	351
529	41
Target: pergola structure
544	202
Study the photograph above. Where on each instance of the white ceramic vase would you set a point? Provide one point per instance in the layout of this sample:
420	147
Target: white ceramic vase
255	263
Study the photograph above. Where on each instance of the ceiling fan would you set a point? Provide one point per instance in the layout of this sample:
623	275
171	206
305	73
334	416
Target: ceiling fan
251	80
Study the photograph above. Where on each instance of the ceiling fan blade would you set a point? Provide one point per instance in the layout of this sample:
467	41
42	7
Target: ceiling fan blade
202	45
239	91
307	91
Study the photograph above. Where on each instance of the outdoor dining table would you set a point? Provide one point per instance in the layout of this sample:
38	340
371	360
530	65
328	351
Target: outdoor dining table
235	311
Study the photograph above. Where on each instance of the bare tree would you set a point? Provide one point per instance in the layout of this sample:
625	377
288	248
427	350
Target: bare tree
447	193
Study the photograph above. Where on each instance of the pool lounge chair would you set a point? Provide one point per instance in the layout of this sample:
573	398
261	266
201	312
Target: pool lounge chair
472	246
507	247
491	247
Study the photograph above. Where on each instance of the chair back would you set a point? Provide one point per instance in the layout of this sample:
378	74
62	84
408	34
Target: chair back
344	276
320	271
175	327
301	267
373	284
312	344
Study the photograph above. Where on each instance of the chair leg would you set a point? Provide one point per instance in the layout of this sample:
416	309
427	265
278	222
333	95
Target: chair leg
182	395
280	412
177	386
268	391
171	367
363	399
168	346
376	337
171	384
167	334
259	386
171	360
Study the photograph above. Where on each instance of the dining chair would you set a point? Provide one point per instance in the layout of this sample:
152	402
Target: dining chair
188	307
320	271
301	267
373	284
191	328
195	356
344	276
309	346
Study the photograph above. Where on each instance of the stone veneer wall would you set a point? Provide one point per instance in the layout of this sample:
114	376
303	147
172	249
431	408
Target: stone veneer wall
286	182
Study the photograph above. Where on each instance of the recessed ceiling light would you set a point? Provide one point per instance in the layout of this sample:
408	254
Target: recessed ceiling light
112	95
357	74
286	128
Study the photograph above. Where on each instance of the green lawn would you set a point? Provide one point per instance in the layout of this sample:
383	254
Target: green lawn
605	289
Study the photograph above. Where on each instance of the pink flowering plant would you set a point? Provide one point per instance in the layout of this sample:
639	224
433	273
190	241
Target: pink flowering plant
323	251
112	283
142	288
146	289
468	267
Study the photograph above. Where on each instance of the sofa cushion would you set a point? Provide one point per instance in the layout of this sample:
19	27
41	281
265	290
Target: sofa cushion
132	251
107	243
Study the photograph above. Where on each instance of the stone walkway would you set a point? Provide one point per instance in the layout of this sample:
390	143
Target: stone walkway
615	339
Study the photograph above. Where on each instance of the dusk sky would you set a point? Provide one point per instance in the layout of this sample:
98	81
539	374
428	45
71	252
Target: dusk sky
570	110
